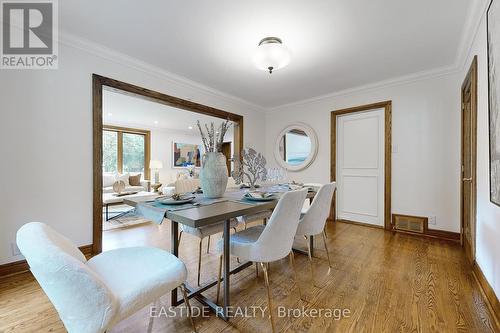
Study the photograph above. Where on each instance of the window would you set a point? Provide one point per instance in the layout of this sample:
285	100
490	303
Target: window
125	150
109	151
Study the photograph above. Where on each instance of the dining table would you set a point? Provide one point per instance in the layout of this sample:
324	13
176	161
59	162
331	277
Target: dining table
203	212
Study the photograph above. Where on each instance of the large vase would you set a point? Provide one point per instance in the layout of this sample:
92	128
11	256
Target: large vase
213	175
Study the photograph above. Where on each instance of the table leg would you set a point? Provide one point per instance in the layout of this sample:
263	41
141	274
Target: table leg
174	246
226	268
311	239
311	244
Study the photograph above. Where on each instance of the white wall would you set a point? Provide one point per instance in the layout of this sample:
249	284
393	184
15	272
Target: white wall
425	130
488	214
46	139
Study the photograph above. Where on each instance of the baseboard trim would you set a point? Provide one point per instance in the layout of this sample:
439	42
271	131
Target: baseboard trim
361	224
443	234
433	233
20	266
488	293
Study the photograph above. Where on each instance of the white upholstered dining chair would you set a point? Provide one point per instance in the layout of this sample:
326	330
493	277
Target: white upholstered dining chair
92	296
271	242
201	233
312	221
190	185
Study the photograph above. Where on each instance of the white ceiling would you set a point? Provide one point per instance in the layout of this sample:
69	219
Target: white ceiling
335	44
136	112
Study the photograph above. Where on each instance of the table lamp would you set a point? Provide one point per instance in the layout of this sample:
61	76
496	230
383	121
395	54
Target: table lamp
156	166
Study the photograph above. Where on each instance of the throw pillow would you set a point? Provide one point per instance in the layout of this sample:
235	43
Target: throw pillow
124	178
108	179
135	180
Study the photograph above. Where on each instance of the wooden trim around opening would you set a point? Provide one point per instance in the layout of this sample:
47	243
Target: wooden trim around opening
147	146
22	265
471	81
98	84
387	105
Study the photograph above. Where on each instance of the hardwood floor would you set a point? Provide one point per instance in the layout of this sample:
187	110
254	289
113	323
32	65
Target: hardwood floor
389	282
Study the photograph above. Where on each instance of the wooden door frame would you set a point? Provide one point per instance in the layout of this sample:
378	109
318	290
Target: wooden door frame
470	78
98	84
387	106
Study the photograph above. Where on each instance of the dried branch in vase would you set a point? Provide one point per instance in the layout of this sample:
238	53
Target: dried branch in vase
212	139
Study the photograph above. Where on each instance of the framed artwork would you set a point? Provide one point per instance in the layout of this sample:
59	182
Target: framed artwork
185	155
493	33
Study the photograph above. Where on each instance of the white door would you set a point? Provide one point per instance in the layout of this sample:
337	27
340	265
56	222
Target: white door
360	167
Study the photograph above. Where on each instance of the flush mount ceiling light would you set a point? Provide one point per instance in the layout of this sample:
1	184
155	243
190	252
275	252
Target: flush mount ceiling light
271	54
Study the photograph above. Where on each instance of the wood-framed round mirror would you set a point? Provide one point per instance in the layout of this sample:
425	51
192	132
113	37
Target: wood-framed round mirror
296	147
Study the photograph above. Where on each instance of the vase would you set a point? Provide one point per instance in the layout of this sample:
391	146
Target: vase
213	175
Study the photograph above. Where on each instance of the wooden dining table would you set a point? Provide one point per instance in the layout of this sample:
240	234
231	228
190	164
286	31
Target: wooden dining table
204	215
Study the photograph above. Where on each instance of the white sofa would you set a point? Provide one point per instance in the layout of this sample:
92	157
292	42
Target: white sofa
184	185
108	179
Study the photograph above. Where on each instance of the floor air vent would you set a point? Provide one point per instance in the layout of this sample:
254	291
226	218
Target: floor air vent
409	223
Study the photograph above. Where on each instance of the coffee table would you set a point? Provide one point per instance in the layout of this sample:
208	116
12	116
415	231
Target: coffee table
112	199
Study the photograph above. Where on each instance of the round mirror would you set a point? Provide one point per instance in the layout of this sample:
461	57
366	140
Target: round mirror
296	147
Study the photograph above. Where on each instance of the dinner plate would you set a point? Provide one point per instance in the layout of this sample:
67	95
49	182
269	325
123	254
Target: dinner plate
271	198
170	201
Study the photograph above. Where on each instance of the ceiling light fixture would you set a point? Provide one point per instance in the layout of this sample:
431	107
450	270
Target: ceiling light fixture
190	127
271	54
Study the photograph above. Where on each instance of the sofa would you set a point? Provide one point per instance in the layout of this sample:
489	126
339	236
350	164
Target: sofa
183	185
108	179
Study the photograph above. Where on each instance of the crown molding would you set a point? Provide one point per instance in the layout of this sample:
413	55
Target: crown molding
109	54
401	80
477	10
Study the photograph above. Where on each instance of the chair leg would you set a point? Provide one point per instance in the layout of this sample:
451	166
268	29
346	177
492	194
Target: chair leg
269	300
199	261
310	260
218	280
179	242
295	275
188	306
208	245
257	270
327	253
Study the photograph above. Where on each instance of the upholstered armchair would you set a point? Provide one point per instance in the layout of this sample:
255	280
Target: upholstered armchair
92	296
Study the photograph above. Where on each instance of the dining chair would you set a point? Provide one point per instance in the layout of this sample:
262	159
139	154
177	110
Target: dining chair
91	296
312	221
202	233
271	242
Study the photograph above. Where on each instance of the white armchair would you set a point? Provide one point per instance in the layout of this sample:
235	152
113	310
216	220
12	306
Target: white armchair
92	296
